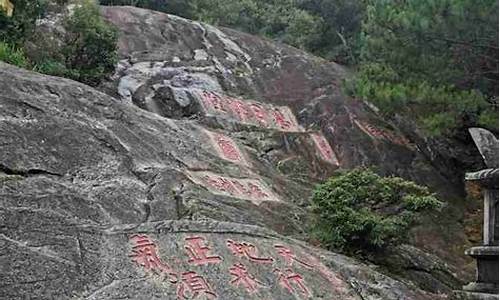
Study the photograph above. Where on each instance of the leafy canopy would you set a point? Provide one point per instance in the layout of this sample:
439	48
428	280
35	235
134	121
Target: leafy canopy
362	211
435	60
90	51
91	45
329	28
16	29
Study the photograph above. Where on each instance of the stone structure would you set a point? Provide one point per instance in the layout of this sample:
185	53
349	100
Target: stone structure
486	255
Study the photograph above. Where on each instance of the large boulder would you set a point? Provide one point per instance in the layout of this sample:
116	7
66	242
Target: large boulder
88	184
185	69
194	164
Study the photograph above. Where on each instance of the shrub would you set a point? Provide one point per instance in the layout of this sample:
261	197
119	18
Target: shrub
438	110
12	55
91	45
19	27
362	211
90	53
433	61
55	68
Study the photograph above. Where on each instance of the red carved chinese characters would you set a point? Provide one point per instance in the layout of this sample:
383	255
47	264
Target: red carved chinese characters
324	148
247	250
380	133
228	147
145	254
256	191
248	189
281	120
220	183
293	282
249	112
290	257
241	110
241	277
260	114
213	100
193	285
241	188
199	253
251	190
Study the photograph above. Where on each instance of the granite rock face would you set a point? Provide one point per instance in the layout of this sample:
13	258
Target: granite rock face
89	184
188	173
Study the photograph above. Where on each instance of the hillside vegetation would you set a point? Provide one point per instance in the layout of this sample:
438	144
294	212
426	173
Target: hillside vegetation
433	60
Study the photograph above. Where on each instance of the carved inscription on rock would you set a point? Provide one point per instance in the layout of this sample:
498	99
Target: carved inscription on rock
226	148
248	189
325	150
248	112
379	133
249	269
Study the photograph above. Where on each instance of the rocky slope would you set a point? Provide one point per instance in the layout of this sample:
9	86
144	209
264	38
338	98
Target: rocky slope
182	176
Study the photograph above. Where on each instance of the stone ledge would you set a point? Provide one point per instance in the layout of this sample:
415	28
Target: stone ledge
482	251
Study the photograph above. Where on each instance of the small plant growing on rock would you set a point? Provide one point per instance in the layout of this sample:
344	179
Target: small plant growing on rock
12	55
91	51
362	211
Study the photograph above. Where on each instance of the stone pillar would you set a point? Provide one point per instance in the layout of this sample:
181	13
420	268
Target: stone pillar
486	255
490	231
485	286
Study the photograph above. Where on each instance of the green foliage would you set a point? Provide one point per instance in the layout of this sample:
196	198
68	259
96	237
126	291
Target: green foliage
340	34
183	8
91	51
433	59
362	211
437	108
329	28
12	55
16	29
55	68
278	19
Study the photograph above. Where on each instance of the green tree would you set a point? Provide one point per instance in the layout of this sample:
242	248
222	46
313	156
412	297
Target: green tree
435	60
362	211
329	28
340	33
12	55
16	29
91	45
282	20
183	8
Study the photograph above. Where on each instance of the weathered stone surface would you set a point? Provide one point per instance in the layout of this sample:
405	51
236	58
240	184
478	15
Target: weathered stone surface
76	165
487	144
158	51
96	262
201	132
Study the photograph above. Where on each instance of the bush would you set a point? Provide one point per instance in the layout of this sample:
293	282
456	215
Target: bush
438	110
329	28
183	8
12	55
362	211
434	60
54	68
91	45
16	29
90	53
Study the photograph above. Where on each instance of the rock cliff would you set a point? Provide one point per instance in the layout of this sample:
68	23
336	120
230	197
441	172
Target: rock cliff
188	174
